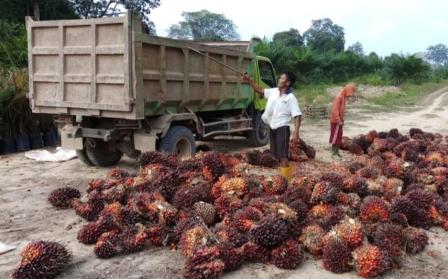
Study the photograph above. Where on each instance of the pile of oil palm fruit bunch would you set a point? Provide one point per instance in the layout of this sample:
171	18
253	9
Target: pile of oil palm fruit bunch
363	215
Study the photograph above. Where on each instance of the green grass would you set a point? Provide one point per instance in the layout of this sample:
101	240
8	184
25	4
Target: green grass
410	94
313	94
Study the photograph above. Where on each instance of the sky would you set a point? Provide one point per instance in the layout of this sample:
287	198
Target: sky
383	26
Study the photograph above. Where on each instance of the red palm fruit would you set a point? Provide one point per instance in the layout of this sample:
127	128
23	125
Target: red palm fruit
371	136
240	170
421	198
90	233
204	264
289	255
436	159
193	239
275	185
355	148
354	167
378	145
350	230
167	184
281	210
312	238
415	131
323	191
115	194
355	184
236	185
89	210
95	184
254	157
133	239
439	171
152	171
374	209
162	212
206	211
187	195
416	240
391	239
336	255
370	261
158	234
395	168
42	259
268	160
231	257
423	176
368	172
271	231
228	160
415	216
435	216
300	208
256	253
108	245
227	204
410	155
117	173
325	215
213	167
62	197
231	236
392	188
335	179
155	157
246	218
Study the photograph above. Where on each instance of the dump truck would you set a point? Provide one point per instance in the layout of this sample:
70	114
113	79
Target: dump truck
114	90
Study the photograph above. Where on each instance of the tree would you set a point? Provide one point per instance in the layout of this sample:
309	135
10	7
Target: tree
15	11
325	36
13	45
356	48
438	54
291	38
204	26
101	8
400	68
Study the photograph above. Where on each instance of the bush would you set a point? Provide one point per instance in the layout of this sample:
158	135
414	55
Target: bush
13	45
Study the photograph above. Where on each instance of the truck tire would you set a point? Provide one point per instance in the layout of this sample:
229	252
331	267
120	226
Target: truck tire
82	156
102	154
260	135
179	140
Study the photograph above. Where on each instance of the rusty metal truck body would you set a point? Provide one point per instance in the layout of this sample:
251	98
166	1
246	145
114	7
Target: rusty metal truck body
118	90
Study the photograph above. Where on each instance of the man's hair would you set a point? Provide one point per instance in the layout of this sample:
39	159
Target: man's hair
291	78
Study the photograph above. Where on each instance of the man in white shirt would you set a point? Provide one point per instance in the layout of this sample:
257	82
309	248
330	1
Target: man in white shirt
281	107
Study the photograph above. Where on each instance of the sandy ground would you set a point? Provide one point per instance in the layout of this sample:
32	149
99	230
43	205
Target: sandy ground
26	215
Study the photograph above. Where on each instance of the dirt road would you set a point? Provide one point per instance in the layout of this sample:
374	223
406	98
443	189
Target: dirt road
26	215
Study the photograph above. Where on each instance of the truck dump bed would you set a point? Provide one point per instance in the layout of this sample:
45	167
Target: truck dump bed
107	67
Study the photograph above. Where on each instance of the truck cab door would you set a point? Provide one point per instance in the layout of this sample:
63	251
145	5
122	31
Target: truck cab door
265	77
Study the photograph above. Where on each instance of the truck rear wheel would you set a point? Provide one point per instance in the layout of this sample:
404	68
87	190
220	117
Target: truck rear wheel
259	136
101	153
82	156
179	140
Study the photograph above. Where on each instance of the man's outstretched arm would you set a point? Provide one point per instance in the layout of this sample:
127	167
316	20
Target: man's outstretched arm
254	85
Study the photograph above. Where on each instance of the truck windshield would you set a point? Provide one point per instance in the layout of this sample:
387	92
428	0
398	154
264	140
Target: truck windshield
266	73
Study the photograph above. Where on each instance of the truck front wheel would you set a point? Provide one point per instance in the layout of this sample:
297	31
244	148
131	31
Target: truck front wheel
259	136
179	140
101	153
82	156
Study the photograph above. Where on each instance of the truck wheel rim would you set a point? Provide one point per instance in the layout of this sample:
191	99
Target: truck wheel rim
183	148
262	131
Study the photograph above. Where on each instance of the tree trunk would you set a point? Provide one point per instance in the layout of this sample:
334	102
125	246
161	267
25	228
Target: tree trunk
36	10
